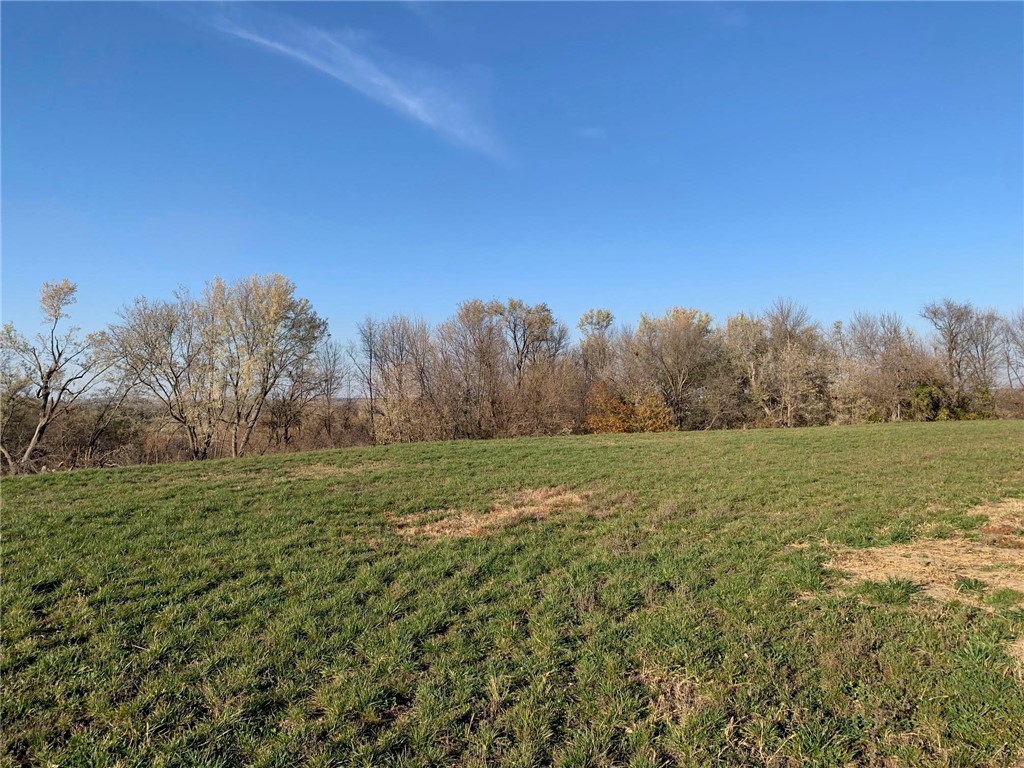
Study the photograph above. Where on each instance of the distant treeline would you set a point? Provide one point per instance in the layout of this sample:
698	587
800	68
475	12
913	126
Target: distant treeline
249	368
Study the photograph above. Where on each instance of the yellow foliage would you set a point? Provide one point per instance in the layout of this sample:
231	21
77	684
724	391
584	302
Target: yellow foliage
608	413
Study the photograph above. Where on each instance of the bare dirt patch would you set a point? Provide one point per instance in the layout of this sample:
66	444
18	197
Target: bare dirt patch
942	566
530	504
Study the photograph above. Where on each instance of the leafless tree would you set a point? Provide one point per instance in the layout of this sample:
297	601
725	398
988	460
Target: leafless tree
261	331
398	361
984	349
596	348
679	351
288	402
970	342
15	406
472	349
886	363
332	373
951	321
787	365
1013	349
169	347
214	361
57	367
361	353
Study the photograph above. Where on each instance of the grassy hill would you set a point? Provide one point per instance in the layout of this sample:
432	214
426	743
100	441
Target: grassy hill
835	596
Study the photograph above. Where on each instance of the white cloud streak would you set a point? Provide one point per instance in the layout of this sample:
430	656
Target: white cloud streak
411	89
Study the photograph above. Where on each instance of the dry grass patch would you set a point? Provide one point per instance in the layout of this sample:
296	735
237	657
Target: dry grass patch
940	567
1005	527
530	504
675	697
318	471
1016	651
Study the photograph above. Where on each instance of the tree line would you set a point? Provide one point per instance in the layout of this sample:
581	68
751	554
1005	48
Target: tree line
250	368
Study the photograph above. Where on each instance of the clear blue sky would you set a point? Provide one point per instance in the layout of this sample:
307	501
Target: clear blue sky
404	157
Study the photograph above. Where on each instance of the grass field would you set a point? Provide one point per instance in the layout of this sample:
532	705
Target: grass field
672	599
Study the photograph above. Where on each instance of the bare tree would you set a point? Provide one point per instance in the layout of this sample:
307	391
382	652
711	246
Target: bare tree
532	333
261	331
332	373
534	344
747	341
249	364
59	366
398	361
15	405
214	361
362	355
105	409
287	404
787	365
886	362
1013	349
799	362
472	349
951	321
170	349
970	342
984	350
596	350
679	351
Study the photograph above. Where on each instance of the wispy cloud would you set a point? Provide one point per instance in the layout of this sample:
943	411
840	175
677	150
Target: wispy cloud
410	88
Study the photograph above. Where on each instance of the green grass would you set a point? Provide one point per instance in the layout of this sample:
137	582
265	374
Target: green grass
970	585
262	612
892	591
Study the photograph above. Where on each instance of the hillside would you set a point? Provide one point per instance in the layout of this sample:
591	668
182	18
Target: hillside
828	596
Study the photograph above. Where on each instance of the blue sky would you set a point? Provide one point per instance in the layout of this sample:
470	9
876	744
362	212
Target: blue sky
404	157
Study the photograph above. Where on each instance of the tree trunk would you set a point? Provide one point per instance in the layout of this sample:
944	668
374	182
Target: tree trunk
37	435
